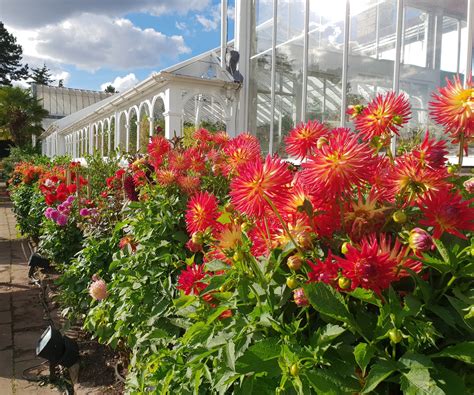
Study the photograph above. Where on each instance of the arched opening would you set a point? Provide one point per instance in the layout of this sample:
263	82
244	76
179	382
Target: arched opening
158	117
122	142
132	131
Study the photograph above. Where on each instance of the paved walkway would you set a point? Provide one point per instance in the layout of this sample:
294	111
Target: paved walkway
21	313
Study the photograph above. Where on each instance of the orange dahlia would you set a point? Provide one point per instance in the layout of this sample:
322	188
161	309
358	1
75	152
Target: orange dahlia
447	212
453	107
339	165
383	115
166	177
303	139
188	184
259	181
202	212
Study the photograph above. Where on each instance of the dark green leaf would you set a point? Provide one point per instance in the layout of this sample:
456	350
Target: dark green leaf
328	301
463	351
378	373
417	381
363	353
365	295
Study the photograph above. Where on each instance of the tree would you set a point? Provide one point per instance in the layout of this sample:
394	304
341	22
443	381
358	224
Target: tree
41	76
11	53
20	115
61	84
110	89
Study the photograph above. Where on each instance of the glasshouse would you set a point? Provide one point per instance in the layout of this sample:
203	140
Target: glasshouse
289	213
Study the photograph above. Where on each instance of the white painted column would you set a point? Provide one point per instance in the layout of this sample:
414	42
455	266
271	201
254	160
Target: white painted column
151	130
127	137
137	122
60	145
91	140
173	112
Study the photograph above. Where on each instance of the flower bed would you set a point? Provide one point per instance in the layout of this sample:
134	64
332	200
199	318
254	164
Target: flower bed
220	271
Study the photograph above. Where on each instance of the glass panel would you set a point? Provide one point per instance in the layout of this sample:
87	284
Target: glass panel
430	55
263	26
326	39
290	19
260	99
288	91
372	49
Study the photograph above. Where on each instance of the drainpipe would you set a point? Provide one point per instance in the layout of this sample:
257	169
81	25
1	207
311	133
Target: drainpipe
223	32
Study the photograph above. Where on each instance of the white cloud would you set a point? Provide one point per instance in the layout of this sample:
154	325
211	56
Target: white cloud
35	13
121	83
91	42
212	20
180	25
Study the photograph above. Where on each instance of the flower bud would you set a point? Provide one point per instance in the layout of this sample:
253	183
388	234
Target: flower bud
399	217
300	298
397	120
321	141
294	262
344	248
344	282
420	240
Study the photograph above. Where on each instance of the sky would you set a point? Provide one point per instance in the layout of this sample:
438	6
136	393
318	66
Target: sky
90	44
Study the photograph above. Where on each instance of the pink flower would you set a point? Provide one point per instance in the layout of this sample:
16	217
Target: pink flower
54	214
300	298
84	212
62	219
98	289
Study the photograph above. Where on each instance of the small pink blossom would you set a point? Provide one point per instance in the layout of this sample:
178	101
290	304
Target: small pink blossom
469	185
300	298
62	219
420	240
98	289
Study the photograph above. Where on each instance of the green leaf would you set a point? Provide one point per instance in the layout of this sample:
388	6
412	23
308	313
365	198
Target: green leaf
462	351
442	251
378	373
417	381
261	357
328	301
435	263
321	384
363	353
450	381
216	265
365	295
224	218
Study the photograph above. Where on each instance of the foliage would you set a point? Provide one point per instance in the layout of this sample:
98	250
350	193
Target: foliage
110	89
20	115
221	271
11	53
27	153
41	76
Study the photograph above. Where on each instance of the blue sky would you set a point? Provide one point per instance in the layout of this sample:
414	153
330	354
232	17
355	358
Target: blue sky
89	43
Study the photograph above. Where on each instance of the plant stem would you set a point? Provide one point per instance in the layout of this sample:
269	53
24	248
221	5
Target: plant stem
283	223
461	151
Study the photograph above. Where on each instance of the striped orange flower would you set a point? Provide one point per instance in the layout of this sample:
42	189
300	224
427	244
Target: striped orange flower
453	107
259	181
340	165
303	139
382	116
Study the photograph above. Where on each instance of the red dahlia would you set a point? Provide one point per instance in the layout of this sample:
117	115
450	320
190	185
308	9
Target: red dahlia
189	280
202	212
303	139
453	107
447	212
383	115
258	182
340	165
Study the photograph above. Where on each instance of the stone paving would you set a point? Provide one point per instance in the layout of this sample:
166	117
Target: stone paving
21	312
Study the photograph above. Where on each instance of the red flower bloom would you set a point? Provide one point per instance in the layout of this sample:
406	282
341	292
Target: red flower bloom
195	159
431	153
303	139
202	212
157	149
383	115
453	107
326	271
410	180
375	265
339	165
166	177
129	188
178	161
263	235
240	150
189	280
259	181
220	138
188	184
447	212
